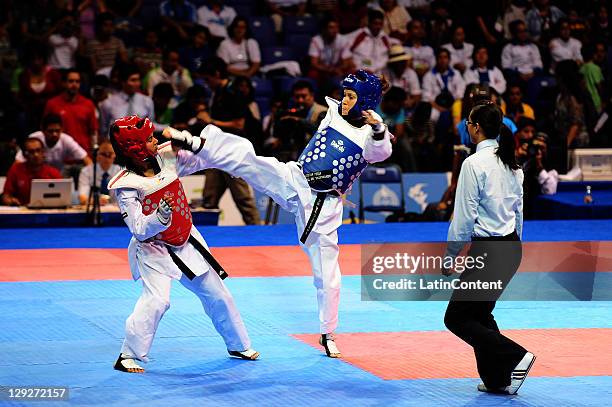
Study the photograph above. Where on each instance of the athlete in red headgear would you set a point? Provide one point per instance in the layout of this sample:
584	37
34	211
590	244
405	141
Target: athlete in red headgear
165	245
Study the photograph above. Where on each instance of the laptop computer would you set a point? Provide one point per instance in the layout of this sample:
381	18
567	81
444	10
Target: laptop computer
51	193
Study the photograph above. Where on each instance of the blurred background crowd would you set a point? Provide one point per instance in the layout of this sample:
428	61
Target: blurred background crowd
262	69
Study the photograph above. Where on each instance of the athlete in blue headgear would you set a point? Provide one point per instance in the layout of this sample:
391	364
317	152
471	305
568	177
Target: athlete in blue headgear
350	137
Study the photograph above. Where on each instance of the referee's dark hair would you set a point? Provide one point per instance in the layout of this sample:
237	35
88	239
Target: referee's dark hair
489	117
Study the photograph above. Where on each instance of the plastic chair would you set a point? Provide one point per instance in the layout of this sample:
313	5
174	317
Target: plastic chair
390	174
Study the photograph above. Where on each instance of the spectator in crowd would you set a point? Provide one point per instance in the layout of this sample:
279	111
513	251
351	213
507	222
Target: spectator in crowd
280	8
541	19
244	87
105	49
178	17
400	74
18	183
532	155
8	53
396	19
252	124
194	55
595	57
515	108
440	24
521	58
326	63
162	96
185	114
59	147
487	27
570	115
149	55
216	17
461	52
351	15
64	44
600	24
129	101
484	72
420	134
105	171
38	83
227	111
35	21
515	11
240	52
9	134
99	91
369	46
577	25
78	113
564	46
442	85
170	72
392	111
294	127
423	56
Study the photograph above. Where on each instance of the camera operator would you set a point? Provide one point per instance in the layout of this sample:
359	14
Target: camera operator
293	127
532	155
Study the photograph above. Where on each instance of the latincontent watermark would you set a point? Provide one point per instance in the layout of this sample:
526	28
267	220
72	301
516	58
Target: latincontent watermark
547	271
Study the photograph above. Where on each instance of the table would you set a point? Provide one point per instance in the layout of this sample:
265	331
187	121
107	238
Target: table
76	217
568	202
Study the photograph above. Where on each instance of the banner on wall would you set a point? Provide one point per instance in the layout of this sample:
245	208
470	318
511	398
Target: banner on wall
420	189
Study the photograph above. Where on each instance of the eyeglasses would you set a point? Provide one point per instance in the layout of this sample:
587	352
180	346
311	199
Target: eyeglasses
467	123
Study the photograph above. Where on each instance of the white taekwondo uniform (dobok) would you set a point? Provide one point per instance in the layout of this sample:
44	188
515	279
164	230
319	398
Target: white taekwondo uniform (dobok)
159	252
332	161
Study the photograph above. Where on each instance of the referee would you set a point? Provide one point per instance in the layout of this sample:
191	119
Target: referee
488	212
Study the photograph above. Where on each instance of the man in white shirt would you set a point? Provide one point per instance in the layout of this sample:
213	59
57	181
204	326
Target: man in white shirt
442	80
129	101
169	72
369	46
59	147
399	74
521	57
105	171
564	46
326	49
216	16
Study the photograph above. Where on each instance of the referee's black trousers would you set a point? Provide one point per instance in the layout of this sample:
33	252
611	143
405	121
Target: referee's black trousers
469	314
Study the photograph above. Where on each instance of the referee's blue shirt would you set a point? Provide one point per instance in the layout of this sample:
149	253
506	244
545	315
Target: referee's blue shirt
489	197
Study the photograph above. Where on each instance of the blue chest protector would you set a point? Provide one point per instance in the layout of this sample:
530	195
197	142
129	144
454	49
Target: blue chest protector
331	162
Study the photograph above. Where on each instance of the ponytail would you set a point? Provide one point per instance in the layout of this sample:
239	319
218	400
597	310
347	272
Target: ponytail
506	150
490	118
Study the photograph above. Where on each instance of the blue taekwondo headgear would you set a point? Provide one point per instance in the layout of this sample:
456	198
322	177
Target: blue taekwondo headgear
368	88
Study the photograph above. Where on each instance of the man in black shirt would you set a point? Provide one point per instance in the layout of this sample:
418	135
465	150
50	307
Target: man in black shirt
228	110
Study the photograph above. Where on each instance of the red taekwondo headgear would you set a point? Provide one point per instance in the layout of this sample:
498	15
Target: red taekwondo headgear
131	134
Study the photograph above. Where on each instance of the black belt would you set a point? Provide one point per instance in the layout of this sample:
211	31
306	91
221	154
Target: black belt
508	238
316	211
205	253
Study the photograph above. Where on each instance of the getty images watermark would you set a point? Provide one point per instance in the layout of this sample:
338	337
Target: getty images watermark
437	271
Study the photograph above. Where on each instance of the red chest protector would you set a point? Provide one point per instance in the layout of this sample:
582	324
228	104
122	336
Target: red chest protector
180	226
